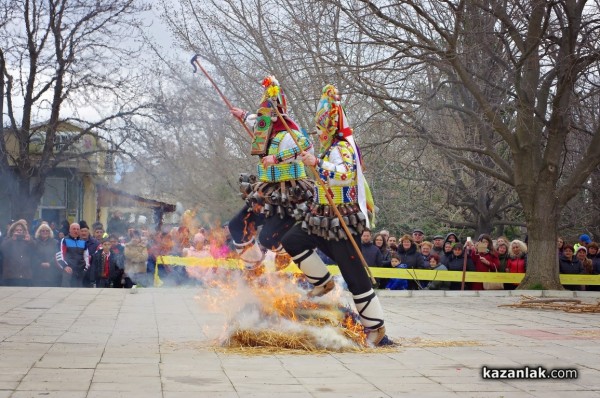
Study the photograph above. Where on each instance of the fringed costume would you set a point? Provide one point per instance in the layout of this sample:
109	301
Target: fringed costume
339	166
281	182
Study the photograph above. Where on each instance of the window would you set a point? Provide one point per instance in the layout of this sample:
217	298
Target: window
55	193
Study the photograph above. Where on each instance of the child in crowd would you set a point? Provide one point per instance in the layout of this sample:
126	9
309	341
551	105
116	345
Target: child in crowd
434	264
105	267
397	284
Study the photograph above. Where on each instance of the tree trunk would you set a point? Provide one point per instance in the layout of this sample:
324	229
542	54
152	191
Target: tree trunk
542	259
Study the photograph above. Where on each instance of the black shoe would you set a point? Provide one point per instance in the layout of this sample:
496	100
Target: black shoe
385	341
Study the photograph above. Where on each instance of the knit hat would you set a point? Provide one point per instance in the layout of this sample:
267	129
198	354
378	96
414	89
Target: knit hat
83	224
582	248
585	238
14	225
447	238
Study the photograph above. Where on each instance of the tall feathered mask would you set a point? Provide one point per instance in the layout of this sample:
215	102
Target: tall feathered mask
332	123
274	93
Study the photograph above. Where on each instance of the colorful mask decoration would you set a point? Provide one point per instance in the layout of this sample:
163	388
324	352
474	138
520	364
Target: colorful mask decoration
273	93
266	116
262	131
332	124
327	117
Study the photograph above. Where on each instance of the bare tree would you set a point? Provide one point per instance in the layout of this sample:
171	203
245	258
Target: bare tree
243	41
239	43
63	61
518	71
506	92
193	150
306	46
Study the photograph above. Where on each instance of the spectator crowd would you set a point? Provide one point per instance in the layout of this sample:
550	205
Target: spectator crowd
121	256
75	255
449	252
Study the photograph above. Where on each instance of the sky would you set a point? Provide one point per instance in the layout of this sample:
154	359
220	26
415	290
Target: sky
158	32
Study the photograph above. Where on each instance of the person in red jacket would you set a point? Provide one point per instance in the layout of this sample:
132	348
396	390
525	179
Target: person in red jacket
484	257
517	261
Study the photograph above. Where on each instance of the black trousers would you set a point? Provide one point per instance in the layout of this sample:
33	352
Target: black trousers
342	252
243	227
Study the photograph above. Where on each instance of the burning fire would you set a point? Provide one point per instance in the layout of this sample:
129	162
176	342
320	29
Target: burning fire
272	311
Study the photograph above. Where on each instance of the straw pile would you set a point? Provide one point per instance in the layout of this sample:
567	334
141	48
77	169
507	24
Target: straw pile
343	334
590	334
244	339
269	342
419	343
273	339
273	315
562	304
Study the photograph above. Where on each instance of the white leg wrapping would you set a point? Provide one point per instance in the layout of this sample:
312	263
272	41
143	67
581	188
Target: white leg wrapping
250	253
313	267
369	309
279	250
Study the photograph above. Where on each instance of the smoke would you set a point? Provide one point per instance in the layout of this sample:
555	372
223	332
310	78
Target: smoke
274	303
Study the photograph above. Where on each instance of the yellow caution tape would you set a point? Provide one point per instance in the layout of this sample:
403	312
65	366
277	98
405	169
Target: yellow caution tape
379	272
471	276
207	262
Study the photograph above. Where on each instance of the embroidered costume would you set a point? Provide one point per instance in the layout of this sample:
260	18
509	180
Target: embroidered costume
281	182
339	166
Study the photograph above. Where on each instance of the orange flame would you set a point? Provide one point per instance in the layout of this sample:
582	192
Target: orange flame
271	301
249	227
355	330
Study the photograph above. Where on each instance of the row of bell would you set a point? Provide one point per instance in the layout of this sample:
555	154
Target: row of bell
329	227
269	210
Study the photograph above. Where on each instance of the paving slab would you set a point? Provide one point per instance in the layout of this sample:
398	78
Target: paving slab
96	343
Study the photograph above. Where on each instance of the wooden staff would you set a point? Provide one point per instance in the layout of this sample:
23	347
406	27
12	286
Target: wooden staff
329	199
195	62
462	284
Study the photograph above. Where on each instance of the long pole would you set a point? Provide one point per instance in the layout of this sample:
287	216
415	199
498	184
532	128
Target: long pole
195	62
462	284
329	200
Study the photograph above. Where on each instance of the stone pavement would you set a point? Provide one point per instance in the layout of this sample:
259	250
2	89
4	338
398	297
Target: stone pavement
92	343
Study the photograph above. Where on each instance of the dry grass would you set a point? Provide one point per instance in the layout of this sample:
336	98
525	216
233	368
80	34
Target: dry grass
592	334
272	342
566	304
272	339
419	342
250	351
250	343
